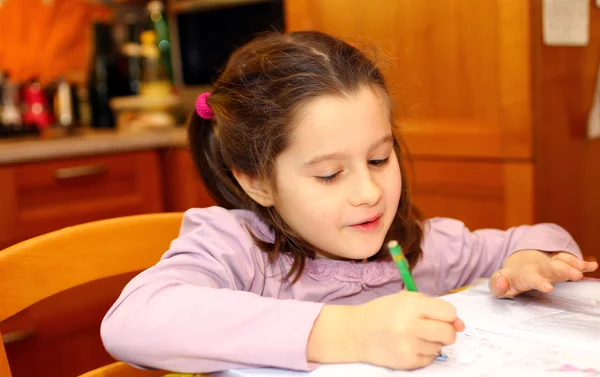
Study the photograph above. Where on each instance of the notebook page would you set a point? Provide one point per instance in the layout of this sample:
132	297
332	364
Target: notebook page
503	336
498	356
579	297
329	370
528	319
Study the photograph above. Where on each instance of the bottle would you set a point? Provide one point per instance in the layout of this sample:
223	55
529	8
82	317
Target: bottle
83	107
11	112
37	112
129	58
102	85
161	27
64	107
154	78
131	50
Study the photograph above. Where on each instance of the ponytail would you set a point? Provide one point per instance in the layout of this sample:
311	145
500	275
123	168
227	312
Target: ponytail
208	159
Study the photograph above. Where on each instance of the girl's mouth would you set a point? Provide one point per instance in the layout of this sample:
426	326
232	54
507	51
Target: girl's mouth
369	225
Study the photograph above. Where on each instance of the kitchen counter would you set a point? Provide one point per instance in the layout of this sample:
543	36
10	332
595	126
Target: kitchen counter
86	143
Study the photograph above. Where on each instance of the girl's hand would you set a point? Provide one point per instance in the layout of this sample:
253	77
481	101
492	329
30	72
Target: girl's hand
405	330
531	269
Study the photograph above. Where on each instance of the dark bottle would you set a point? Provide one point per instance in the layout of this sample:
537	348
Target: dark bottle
11	109
103	81
130	51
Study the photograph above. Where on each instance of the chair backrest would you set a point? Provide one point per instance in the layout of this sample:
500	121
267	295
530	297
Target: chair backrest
42	266
120	369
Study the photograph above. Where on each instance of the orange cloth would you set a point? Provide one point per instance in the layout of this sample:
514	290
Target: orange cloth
47	38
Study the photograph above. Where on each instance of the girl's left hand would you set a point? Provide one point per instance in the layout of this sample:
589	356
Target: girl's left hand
538	274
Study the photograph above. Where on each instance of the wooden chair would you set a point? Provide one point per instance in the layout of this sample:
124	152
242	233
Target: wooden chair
120	369
77	255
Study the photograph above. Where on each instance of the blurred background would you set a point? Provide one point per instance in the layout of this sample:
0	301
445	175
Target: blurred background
496	99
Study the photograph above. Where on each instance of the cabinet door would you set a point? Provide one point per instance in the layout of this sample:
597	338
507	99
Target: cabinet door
567	161
459	69
183	187
481	194
36	198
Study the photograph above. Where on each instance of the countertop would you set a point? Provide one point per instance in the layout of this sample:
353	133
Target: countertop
87	142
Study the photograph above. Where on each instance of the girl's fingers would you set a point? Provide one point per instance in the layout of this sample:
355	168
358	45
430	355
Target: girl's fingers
558	270
499	284
435	331
538	282
425	348
575	262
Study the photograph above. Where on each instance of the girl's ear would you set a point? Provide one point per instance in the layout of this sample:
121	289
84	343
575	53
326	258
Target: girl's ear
256	188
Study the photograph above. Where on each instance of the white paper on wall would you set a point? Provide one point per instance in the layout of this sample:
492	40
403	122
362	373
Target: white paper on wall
566	22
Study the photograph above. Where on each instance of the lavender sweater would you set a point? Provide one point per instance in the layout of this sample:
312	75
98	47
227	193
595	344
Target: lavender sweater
213	302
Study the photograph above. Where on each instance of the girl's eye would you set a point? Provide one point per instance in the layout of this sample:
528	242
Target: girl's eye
379	162
329	178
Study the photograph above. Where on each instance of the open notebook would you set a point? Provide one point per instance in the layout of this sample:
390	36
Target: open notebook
555	334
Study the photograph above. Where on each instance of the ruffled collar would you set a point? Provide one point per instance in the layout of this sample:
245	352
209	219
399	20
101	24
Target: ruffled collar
369	273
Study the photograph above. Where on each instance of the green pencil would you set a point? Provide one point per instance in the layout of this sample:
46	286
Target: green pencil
402	264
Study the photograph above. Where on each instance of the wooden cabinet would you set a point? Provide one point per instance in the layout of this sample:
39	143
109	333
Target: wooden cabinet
489	193
39	197
182	185
451	65
493	119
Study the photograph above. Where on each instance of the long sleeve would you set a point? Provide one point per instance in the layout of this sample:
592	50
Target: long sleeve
463	255
200	309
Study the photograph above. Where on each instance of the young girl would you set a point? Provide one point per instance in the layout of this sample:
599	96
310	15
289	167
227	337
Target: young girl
297	145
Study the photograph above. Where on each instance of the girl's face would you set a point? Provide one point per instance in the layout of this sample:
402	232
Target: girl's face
338	183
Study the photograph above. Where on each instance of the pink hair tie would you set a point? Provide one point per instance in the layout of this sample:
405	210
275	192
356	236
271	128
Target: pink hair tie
202	108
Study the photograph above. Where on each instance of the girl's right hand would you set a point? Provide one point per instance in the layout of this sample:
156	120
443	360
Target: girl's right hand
405	330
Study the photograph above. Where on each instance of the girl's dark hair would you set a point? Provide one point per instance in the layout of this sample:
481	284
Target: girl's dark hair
256	100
